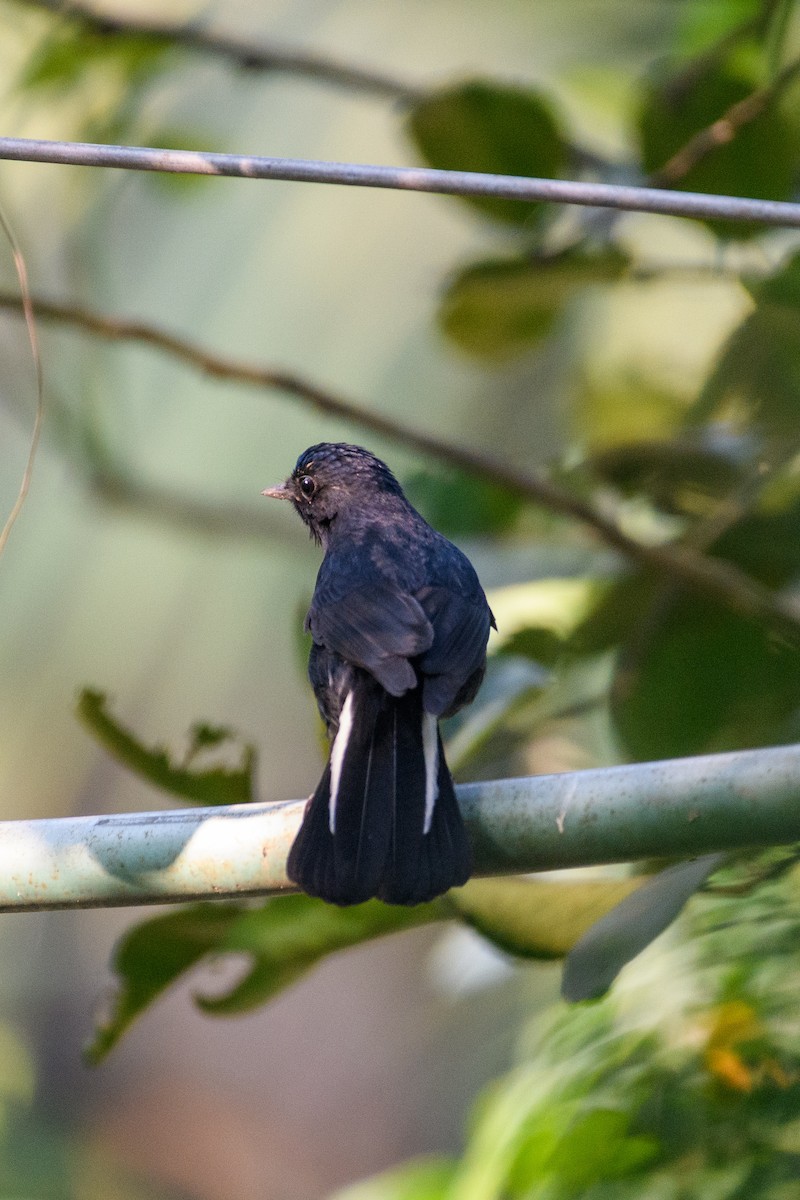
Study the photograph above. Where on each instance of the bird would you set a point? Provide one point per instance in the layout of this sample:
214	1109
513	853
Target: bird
399	625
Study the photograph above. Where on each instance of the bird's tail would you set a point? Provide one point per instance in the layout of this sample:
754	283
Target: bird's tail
384	820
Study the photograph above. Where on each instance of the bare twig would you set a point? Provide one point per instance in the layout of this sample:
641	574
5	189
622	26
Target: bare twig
709	576
23	302
723	130
190	512
248	55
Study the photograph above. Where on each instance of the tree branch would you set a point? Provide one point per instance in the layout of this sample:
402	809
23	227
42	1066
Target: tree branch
710	576
615	814
249	55
218	518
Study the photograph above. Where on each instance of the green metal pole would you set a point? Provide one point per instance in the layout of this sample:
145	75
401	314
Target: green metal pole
683	807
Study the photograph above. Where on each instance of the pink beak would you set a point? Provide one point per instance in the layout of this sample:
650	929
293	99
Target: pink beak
281	491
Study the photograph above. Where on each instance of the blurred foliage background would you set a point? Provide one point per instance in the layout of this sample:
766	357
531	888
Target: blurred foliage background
646	369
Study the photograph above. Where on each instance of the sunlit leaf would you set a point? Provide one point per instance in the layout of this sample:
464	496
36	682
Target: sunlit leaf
487	126
72	50
599	1146
217	784
559	605
537	918
619	409
422	1179
701	24
502	307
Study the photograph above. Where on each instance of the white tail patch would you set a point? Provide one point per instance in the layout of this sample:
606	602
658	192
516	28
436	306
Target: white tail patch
430	748
338	751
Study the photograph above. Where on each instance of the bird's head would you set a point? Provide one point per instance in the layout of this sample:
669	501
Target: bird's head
333	480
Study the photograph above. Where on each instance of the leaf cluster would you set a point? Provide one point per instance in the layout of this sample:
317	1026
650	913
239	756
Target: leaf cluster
683	1084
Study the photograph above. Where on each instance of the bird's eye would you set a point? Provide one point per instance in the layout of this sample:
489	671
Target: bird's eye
307	486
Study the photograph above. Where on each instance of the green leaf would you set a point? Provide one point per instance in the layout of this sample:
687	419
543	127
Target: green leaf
503	307
210	785
152	956
781	288
555	602
423	1179
599	955
622	407
73	51
537	918
697	679
760	161
283	938
765	544
622	1100
104	72
543	646
692	677
704	22
459	505
599	1147
288	935
510	686
757	376
620	606
683	475
594	1148
485	126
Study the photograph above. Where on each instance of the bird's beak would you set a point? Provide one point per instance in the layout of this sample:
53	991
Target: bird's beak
281	491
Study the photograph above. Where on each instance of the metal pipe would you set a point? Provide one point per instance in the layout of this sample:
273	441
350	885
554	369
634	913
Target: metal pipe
681	807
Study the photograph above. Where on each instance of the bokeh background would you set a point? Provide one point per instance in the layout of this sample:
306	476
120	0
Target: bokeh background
146	564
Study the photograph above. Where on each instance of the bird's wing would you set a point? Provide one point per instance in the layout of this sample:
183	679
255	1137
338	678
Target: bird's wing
376	627
453	666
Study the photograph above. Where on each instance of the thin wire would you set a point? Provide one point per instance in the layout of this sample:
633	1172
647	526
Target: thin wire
414	179
30	323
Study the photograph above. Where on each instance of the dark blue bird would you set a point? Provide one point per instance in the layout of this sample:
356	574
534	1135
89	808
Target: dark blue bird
399	624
